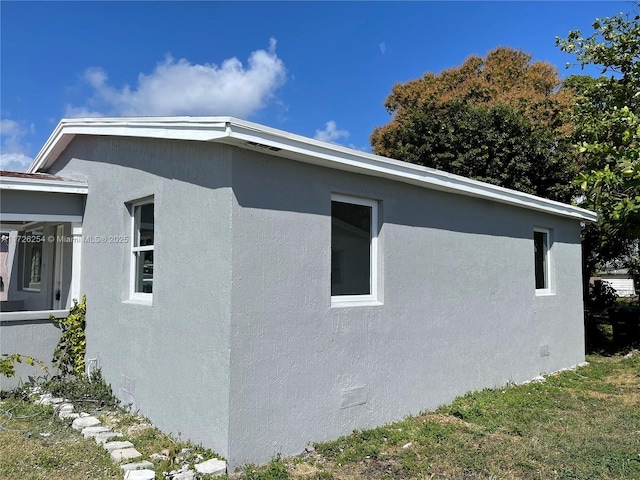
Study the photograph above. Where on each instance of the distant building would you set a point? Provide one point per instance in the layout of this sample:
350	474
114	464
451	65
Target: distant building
619	280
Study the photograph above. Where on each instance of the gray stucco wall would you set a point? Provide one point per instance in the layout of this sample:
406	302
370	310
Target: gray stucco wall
241	349
459	308
169	359
36	338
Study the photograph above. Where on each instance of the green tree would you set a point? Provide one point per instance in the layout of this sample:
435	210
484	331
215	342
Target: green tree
502	119
607	136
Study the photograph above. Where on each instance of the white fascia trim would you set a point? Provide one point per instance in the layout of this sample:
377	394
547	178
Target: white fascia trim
237	132
174	128
42	185
342	158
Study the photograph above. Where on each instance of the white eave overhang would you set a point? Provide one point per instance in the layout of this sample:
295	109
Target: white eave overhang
42	185
253	136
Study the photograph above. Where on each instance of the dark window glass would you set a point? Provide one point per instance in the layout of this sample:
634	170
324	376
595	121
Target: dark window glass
350	249
144	225
144	271
541	244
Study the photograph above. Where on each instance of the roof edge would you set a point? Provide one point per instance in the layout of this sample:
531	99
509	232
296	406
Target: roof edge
43	185
343	158
249	135
176	128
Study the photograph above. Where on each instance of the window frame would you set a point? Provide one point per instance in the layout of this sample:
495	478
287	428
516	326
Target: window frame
135	250
27	270
372	297
547	262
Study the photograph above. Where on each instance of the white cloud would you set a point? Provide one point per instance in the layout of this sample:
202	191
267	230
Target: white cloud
383	47
14	150
15	162
77	112
10	128
331	133
178	87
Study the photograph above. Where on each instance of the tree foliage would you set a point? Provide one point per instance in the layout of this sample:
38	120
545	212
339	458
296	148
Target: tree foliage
502	119
607	134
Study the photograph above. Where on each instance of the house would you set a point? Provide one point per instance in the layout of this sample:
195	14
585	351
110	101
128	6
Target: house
257	290
39	275
619	279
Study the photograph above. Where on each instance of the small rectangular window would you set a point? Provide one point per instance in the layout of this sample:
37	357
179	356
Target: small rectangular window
142	215
541	243
354	231
32	260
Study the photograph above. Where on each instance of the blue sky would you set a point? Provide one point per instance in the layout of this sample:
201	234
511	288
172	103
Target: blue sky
320	69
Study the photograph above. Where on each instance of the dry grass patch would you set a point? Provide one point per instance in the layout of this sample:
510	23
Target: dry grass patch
35	445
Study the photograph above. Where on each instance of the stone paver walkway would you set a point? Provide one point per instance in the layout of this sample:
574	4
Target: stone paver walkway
123	451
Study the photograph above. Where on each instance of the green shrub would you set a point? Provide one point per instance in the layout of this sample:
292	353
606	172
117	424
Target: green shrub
8	361
69	353
90	392
274	470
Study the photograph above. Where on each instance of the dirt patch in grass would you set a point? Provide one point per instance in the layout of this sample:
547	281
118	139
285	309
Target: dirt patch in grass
628	380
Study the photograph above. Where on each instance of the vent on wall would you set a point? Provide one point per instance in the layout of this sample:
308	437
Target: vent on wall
351	397
128	390
263	146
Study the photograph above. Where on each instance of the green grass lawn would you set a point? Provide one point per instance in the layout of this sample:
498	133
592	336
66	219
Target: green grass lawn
36	445
576	425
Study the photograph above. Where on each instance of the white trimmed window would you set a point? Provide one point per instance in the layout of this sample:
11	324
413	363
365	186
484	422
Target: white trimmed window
542	259
142	219
354	235
32	260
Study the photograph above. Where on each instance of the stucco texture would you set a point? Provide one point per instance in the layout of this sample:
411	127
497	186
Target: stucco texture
458	308
169	359
241	348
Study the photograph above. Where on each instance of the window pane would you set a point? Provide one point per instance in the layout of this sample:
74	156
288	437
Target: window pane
350	249
143	231
540	241
32	267
144	272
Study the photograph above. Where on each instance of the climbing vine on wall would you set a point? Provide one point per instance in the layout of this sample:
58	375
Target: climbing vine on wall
8	361
69	353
